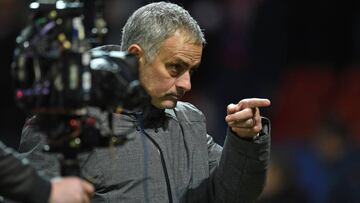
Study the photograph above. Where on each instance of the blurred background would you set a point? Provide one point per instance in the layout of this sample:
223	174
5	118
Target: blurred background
303	55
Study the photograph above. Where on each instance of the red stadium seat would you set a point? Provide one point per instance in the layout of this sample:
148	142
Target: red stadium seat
301	101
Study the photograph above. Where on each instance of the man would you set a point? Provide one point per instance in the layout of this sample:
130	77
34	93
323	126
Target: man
19	181
171	158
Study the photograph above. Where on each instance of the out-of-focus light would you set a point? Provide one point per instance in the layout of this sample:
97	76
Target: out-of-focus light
19	94
74	123
60	5
34	5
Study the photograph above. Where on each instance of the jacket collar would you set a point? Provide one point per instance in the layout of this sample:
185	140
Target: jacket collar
153	117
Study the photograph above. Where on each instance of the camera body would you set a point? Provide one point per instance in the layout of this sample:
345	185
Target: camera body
55	71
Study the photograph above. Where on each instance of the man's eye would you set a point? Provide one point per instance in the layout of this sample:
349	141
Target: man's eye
174	69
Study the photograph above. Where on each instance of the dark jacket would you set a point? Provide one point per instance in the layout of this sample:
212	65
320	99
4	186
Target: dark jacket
170	158
19	181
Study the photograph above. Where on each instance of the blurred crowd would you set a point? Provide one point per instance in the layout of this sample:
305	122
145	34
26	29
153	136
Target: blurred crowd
303	55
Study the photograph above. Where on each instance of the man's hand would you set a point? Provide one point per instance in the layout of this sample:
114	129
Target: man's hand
70	190
244	117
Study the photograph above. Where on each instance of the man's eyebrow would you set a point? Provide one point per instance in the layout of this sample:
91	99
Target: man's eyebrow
181	62
185	64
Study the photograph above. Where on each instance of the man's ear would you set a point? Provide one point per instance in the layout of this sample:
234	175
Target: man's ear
137	51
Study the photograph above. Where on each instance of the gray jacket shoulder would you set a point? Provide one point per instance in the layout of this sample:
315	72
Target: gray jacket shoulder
186	112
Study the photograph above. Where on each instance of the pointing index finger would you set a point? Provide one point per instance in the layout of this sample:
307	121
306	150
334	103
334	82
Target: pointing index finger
254	102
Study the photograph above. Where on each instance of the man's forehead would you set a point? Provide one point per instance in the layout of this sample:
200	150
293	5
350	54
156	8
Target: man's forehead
186	56
179	44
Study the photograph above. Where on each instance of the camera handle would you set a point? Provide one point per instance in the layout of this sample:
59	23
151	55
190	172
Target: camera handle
69	165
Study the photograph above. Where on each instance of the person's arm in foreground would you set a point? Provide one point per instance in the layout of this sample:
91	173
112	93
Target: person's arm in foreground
240	175
19	181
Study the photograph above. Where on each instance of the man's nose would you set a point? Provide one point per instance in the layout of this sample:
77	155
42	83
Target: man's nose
184	81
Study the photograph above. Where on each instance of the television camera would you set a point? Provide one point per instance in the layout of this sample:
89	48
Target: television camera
59	78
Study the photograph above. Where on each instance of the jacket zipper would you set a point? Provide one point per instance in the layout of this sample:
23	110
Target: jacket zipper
167	180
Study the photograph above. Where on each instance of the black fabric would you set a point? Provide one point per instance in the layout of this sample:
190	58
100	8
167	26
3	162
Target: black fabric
19	181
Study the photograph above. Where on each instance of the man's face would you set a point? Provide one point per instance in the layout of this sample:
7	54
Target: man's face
167	78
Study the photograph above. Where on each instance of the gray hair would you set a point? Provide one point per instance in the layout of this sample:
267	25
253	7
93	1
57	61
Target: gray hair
153	23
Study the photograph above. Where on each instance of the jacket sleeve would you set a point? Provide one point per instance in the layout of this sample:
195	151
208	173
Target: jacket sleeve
240	175
19	181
